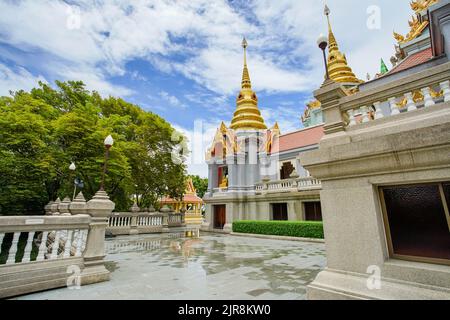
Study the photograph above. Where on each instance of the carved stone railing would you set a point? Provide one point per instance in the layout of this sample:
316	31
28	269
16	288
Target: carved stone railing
176	220
420	90
39	238
288	185
123	223
63	248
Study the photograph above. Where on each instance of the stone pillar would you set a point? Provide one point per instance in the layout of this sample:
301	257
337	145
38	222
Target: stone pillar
99	208
48	208
232	172
55	207
165	211
64	207
133	226
292	215
329	96
78	205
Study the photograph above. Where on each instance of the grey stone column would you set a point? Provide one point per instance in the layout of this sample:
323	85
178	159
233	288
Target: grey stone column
232	172
99	208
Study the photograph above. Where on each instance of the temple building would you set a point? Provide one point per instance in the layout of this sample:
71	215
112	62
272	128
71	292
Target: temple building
384	168
191	204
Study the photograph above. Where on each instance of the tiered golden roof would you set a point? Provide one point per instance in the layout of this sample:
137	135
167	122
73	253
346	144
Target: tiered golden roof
417	25
247	115
338	68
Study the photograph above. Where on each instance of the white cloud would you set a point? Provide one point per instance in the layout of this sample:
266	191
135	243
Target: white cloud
172	100
205	36
18	79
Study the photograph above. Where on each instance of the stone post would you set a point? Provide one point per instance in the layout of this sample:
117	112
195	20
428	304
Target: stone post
165	211
329	96
78	205
48	208
99	208
135	211
64	207
55	207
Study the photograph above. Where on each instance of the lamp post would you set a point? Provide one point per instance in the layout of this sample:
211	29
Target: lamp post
109	141
72	168
322	42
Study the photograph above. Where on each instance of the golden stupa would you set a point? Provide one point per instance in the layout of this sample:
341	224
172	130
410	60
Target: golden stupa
247	115
338	68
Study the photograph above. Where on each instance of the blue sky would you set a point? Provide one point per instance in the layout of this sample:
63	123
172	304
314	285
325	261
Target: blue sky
183	59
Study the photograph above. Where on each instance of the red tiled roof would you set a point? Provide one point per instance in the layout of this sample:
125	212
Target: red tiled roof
413	60
302	138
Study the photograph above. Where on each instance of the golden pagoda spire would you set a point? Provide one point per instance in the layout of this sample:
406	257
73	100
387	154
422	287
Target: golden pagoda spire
247	115
337	62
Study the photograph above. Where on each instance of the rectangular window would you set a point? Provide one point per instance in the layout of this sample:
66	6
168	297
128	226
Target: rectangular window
313	211
417	221
279	212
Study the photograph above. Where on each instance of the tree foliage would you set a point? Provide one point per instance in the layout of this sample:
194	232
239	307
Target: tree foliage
43	131
200	184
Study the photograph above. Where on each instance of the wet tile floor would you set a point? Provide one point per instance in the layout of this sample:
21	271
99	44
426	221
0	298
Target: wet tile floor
211	267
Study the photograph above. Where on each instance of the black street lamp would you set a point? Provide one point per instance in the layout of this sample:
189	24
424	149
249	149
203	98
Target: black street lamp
322	42
109	141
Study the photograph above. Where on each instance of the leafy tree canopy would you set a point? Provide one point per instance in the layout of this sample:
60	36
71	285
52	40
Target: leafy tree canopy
43	131
201	184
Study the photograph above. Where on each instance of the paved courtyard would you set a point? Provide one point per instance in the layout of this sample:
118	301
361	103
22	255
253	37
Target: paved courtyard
212	267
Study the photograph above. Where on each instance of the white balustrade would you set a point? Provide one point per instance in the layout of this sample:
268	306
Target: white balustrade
13	249
365	114
36	239
378	111
43	246
428	100
28	247
445	87
405	98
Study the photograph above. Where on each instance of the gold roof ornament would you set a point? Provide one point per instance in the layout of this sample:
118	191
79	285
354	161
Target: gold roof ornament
247	115
417	24
420	5
337	62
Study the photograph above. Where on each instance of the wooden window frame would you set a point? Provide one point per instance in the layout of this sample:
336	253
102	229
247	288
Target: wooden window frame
388	229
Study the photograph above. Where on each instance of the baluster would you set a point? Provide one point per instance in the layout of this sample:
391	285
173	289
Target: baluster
13	249
410	104
28	247
83	243
393	105
55	246
68	244
79	243
428	100
2	236
351	117
378	111
42	247
365	114
445	87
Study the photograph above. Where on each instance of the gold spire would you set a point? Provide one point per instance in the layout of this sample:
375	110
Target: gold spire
247	115
337	62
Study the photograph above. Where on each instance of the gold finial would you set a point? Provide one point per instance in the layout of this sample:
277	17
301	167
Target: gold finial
247	115
338	68
223	128
246	83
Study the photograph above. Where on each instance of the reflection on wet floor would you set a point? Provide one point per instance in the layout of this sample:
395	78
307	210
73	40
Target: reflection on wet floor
210	267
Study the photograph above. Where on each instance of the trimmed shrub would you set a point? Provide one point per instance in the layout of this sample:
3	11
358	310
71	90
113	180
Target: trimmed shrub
301	229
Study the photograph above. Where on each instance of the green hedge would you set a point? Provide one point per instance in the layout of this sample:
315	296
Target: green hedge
301	229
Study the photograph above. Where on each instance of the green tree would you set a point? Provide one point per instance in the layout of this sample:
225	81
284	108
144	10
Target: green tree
43	131
201	184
